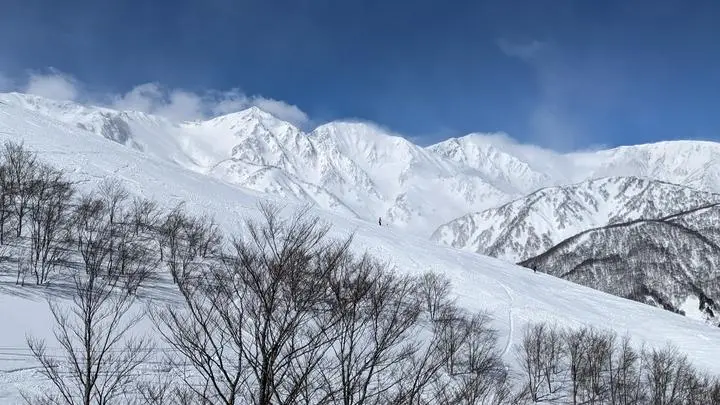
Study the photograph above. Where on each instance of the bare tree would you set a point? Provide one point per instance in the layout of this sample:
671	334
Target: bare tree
435	289
48	210
668	376
601	345
541	355
576	343
145	217
104	237
92	232
7	197
625	384
376	336
474	372
186	242
21	165
283	268
257	328
207	334
100	355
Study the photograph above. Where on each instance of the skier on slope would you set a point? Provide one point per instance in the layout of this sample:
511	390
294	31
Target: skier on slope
380	221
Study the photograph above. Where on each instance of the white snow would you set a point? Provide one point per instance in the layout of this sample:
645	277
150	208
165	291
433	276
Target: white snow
513	295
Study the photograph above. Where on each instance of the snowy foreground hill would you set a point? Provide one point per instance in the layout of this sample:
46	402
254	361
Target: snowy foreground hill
160	168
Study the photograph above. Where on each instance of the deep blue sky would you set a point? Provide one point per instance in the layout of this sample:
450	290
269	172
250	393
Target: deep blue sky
564	74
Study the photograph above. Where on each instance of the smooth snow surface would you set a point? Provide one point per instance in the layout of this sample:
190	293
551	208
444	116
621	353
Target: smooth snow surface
513	295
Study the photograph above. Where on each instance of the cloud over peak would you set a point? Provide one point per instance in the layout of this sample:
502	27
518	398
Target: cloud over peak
55	85
153	98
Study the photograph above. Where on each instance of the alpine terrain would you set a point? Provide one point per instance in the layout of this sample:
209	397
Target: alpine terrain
625	221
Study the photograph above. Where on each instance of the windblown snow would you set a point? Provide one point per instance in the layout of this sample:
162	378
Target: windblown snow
353	173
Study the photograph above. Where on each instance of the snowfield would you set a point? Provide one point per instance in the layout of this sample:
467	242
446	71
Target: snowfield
513	295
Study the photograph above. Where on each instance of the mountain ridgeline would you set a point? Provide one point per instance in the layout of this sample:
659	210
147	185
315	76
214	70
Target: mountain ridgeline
526	227
599	218
364	171
670	262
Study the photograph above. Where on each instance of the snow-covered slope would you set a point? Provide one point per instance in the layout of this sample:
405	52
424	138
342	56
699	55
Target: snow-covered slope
669	262
350	168
360	169
531	225
513	295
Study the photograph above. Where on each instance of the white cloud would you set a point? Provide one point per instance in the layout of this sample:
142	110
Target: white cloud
182	105
230	102
282	110
151	98
574	91
54	85
141	98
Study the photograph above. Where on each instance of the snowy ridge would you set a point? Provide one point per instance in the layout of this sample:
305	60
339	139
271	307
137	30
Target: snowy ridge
363	170
668	262
531	225
513	295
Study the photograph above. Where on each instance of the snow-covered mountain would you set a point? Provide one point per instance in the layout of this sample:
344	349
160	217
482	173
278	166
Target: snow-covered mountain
691	163
531	225
348	167
670	262
514	296
362	170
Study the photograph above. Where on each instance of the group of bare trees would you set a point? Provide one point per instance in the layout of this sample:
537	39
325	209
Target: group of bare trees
287	315
280	314
589	366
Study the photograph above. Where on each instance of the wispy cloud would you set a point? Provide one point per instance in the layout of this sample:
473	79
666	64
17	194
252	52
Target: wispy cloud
55	85
154	98
6	84
182	105
522	50
572	91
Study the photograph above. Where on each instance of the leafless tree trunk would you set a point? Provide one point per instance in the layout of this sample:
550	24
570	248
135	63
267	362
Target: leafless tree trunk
21	166
186	242
375	338
435	290
104	237
256	328
474	372
576	342
668	376
207	334
596	383
94	333
541	356
625	377
284	268
48	211
7	196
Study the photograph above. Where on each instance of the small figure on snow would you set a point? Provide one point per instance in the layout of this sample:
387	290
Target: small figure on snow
380	221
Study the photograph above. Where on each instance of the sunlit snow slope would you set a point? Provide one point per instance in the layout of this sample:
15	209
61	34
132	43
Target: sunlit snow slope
361	170
513	295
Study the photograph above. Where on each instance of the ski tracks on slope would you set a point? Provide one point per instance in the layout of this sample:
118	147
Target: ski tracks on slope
511	321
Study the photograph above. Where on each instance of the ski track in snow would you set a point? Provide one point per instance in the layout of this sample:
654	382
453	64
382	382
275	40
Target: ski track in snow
511	322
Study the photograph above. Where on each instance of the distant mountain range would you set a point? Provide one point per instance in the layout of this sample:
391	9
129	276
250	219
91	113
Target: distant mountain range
360	169
600	218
